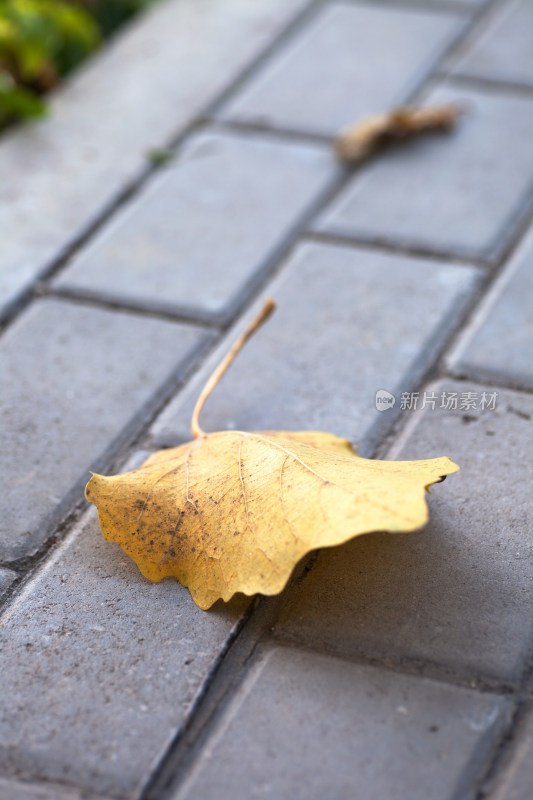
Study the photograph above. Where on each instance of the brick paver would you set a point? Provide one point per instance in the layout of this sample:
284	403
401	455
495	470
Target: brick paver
315	727
394	665
207	227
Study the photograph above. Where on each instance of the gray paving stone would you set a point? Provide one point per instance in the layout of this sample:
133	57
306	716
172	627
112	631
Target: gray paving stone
77	377
349	322
308	726
516	781
100	667
201	233
460	193
460	592
499	343
351	60
503	51
18	790
7	576
145	86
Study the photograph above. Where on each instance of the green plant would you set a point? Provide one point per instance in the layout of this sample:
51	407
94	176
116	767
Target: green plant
110	14
41	40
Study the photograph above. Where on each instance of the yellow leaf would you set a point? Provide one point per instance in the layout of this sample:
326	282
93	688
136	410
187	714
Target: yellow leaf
235	511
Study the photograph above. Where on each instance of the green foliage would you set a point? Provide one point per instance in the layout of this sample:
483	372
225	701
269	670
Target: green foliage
17	102
110	14
41	40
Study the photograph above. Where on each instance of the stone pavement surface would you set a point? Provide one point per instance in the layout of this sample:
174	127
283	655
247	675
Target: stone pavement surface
393	666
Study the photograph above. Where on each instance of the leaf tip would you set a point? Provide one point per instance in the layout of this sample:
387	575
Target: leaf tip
91	488
453	467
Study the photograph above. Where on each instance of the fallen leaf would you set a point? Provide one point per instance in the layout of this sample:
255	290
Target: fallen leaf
235	511
358	141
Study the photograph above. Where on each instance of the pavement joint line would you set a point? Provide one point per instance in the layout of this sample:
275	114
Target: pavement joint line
28	566
423	85
503	754
506	744
158	781
387	245
489	379
443	367
217	694
436	370
431	374
470	784
482	19
522	221
418	668
271	131
99	299
422	373
437	6
397	438
495	765
489	85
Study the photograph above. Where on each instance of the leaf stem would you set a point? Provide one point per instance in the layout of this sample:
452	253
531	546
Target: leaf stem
263	315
